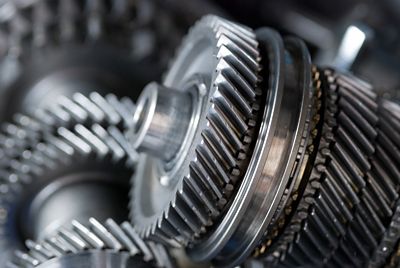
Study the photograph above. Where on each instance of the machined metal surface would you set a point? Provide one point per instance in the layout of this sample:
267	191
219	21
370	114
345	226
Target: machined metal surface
182	195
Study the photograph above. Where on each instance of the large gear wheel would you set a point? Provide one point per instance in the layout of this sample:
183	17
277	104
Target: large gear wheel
94	244
81	156
199	153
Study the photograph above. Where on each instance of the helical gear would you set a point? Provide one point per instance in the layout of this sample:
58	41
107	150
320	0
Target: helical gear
85	134
91	238
226	118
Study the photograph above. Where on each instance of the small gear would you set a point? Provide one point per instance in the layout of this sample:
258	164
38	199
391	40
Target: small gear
81	155
120	245
215	106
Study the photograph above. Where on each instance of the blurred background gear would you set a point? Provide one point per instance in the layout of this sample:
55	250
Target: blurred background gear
94	244
52	48
53	173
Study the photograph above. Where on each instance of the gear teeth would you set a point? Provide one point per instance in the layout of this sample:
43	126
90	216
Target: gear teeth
221	155
66	113
350	194
93	236
31	149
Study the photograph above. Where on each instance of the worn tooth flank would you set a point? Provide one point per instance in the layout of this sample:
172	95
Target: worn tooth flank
221	155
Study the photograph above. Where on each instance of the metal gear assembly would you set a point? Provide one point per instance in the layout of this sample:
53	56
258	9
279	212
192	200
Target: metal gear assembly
254	149
248	149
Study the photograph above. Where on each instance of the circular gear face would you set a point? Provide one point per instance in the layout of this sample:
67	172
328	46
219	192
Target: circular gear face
218	67
94	244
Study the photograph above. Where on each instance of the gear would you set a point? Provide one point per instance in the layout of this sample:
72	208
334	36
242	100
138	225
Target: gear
83	157
215	103
52	48
83	243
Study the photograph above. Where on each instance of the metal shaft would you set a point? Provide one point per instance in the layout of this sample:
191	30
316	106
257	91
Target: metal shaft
161	121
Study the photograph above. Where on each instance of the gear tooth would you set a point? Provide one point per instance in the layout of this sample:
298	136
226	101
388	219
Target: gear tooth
230	139
87	235
129	230
193	201
357	134
100	231
239	47
164	231
108	110
221	153
356	152
26	259
74	140
232	118
385	168
391	136
52	249
211	170
72	108
342	182
227	93
38	249
119	234
199	187
342	155
232	66
93	140
178	223
364	119
95	112
240	30
186	215
67	244
57	245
